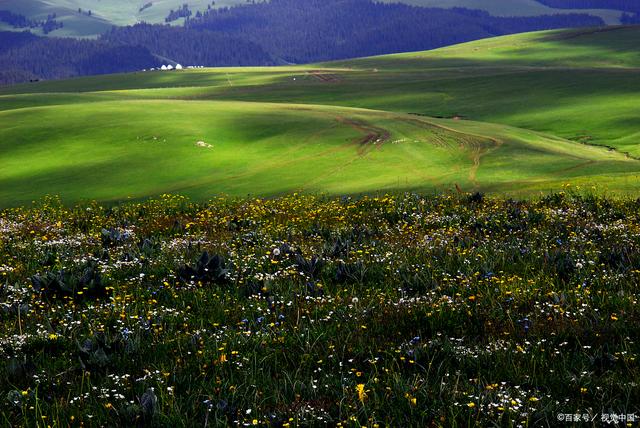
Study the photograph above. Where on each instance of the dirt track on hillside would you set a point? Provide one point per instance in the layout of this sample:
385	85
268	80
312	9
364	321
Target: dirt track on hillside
325	77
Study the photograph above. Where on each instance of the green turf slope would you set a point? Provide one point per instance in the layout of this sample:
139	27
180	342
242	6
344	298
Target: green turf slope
117	149
577	84
525	106
580	85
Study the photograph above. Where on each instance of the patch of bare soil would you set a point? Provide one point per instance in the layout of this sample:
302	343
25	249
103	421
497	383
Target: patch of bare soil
373	136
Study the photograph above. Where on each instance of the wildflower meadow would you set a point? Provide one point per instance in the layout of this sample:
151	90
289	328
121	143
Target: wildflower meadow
397	310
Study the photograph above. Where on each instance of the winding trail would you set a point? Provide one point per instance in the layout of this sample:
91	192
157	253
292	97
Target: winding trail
373	137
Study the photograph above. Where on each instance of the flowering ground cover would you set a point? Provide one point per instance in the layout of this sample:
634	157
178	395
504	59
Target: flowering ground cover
401	310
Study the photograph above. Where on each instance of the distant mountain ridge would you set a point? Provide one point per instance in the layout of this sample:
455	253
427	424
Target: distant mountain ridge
89	18
268	33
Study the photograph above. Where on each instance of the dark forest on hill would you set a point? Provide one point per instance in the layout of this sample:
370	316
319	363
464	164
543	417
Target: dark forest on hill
316	30
277	32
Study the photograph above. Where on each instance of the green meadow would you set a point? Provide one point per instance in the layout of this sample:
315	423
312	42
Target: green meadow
519	115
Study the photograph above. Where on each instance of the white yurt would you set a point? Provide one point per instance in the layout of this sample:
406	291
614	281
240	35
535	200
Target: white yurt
178	67
164	67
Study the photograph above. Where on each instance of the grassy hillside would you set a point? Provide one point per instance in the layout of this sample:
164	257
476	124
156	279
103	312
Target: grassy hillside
113	150
126	12
104	14
529	103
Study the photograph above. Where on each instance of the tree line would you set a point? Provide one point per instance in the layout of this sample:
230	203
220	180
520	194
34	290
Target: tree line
21	21
26	57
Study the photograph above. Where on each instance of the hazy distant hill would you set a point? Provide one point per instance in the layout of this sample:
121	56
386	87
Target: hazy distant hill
604	9
88	18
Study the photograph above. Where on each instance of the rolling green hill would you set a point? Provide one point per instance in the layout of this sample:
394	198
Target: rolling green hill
510	114
126	12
